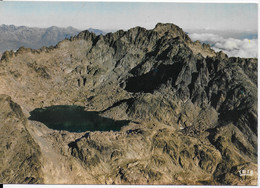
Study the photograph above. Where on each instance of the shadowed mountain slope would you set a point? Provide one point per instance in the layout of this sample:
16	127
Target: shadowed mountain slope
192	112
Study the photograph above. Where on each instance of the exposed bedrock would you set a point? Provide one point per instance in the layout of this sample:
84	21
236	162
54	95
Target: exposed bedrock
192	112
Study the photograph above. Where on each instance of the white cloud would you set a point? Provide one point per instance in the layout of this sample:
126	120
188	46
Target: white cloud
232	47
205	37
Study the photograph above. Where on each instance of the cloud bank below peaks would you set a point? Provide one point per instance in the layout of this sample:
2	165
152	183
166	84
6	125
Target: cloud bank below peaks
247	48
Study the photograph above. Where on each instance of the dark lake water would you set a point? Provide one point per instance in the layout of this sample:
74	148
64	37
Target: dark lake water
74	119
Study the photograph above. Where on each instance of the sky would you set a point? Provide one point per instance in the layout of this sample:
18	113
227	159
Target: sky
123	15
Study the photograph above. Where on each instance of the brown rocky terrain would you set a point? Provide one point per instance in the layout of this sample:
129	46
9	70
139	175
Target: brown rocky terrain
192	112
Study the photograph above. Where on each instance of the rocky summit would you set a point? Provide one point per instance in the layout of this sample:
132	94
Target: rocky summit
190	113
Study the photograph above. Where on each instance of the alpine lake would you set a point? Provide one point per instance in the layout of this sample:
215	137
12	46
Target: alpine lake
74	119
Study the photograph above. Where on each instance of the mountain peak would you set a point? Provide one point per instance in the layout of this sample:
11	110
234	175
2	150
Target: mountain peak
165	26
170	29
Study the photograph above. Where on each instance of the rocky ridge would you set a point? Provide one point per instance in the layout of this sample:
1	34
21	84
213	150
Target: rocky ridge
193	112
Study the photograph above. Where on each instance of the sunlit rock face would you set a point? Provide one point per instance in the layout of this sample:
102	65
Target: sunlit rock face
190	114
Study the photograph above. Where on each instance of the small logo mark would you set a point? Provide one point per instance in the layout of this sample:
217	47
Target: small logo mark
246	173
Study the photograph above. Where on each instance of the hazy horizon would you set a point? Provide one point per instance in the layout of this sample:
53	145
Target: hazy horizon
228	32
125	15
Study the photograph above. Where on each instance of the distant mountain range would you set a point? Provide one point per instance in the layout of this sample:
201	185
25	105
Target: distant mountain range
13	37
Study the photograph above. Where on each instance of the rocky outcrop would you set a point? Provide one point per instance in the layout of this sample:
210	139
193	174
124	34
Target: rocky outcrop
20	154
192	112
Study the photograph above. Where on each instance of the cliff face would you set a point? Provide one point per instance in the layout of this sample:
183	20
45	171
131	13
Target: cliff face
193	112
